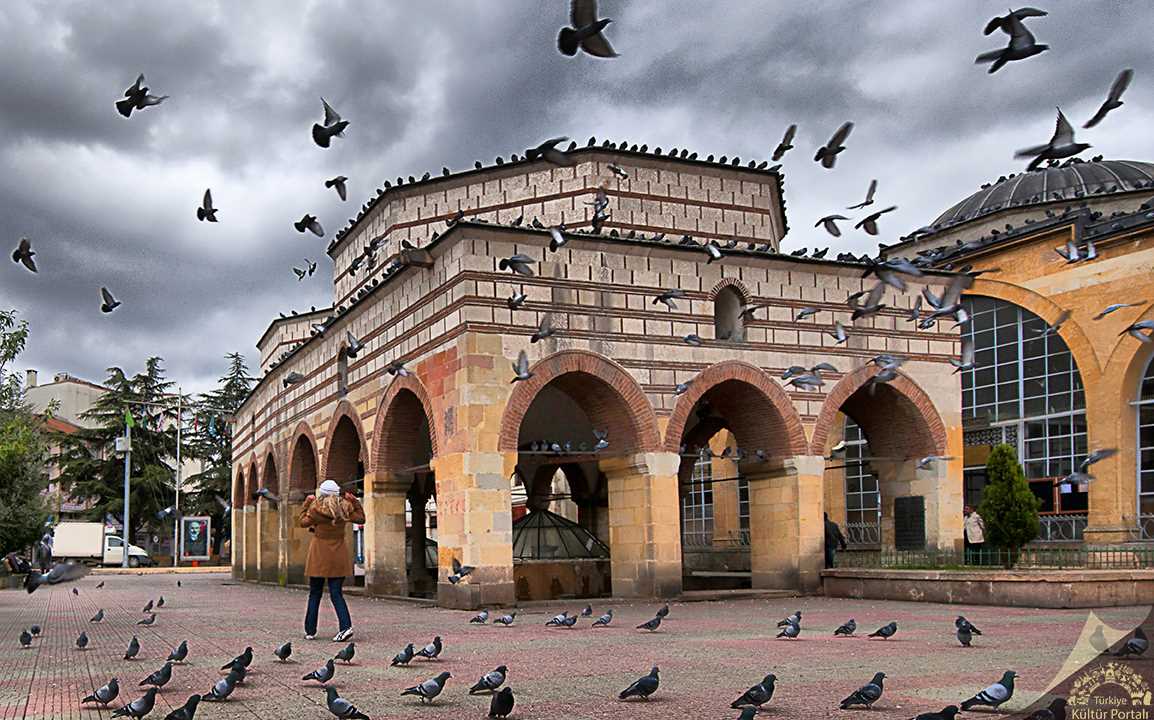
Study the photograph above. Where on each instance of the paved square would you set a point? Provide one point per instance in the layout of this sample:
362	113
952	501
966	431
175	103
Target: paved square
708	652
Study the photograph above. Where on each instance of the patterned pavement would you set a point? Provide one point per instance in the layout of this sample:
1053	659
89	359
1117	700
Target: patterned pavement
708	652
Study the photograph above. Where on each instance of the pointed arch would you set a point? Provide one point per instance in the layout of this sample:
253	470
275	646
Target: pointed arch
337	445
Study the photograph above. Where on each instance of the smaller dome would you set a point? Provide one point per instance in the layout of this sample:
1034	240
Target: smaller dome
543	535
1071	181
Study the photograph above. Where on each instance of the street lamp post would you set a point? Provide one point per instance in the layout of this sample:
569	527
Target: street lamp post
124	542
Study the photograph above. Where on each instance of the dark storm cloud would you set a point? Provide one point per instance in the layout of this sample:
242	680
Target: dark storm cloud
109	201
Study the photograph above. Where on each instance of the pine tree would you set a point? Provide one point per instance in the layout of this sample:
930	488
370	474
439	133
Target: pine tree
211	443
1009	509
89	467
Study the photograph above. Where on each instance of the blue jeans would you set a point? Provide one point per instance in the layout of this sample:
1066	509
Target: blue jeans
336	595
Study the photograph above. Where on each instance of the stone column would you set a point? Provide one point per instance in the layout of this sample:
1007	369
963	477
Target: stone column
284	517
644	524
787	531
939	484
296	541
236	542
475	526
384	536
268	524
251	543
1111	423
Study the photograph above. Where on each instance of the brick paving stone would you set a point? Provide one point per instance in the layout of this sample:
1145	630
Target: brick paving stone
708	652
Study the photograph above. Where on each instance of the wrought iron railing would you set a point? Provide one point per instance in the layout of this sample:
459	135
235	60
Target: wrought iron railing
1062	528
706	538
863	534
1146	527
1130	557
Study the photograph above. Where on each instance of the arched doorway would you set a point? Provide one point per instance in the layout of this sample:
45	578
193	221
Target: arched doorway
1026	391
1145	455
237	517
302	482
345	464
268	522
735	432
251	524
402	511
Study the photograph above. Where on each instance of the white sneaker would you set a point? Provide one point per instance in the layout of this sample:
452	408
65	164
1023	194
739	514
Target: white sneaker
343	635
310	637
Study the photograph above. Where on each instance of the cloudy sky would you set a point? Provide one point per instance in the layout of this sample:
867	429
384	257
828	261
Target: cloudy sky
109	201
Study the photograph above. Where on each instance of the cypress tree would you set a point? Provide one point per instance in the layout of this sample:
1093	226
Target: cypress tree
1009	509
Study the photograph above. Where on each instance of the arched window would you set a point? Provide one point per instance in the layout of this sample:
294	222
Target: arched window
1025	391
727	323
863	508
697	505
1146	454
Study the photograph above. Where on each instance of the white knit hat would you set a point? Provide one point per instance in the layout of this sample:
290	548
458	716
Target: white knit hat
329	487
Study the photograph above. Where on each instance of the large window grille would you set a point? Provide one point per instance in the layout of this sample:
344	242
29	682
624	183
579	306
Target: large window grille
697	505
862	493
1146	455
1026	383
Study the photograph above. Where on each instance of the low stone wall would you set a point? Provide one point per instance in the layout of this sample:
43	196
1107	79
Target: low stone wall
1033	588
548	579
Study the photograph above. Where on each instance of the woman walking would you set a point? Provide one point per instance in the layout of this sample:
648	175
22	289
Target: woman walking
329	560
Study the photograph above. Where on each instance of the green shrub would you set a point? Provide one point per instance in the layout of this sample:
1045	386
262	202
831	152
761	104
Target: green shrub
1009	509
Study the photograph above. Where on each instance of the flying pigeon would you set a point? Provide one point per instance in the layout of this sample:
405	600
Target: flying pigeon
105	693
490	681
429	689
133	649
1061	145
829	223
137	97
222	688
1138	644
333	126
179	653
1114	99
669	298
1118	306
870	222
544	329
403	657
139	707
502	703
618	171
322	674
98	617
885	631
340	707
966	361
23	254
339	184
159	678
995	694
650	625
108	303
827	154
521	367
869	199
432	650
867	694
847	629
187	711
292	379
586	31
1135	330
548	152
838	333
642	688
1022	43
309	222
757	695
786	143
206	212
518	264
605	619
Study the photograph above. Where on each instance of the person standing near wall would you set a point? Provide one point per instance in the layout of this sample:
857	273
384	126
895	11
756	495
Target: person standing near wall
833	540
975	535
330	560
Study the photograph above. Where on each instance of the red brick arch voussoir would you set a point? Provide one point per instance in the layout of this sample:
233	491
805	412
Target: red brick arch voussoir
344	408
383	422
302	428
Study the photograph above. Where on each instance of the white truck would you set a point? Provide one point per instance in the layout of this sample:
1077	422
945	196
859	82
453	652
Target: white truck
91	542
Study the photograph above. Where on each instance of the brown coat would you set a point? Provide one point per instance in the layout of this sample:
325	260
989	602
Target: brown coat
329	555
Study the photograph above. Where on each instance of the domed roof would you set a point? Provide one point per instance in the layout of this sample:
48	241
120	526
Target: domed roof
1072	180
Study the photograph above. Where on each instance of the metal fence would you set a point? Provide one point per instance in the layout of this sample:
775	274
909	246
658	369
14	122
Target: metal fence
1146	527
707	539
1062	528
1099	558
863	534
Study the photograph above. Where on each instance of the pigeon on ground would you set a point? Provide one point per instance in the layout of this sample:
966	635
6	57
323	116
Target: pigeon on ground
147	608
557	619
105	693
23	254
137	97
885	631
949	712
339	184
480	618
586	31
206	212
829	222
870	222
642	688
244	659
284	652
107	302
867	694
333	126
101	584
322	674
60	573
502	703
150	620
1114	99
342	708
1138	644
650	625
490	681
98	617
133	649
309	223
1061	145
605	619
588	610
429	689
548	152
82	641
139	707
757	695
25	639
1022	43
222	688
663	611
794	619
404	657
827	154
432	650
847	629
994	695
505	620
75	592
187	711
160	602
346	653
159	678
179	653
790	632
786	143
